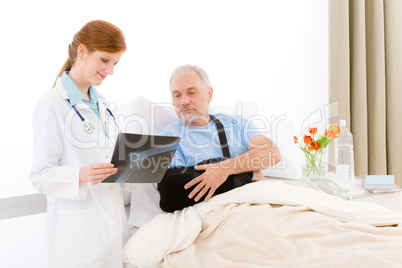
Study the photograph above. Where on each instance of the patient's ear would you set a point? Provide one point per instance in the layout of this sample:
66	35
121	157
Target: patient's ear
210	94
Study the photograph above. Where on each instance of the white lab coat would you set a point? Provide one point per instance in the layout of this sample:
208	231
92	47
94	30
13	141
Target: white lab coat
87	225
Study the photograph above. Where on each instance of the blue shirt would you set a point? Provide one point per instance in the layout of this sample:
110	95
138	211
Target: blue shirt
75	95
201	143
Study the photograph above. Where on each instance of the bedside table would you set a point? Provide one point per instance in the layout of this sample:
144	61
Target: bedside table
391	201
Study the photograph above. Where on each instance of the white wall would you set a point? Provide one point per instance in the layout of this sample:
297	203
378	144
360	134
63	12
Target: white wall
275	52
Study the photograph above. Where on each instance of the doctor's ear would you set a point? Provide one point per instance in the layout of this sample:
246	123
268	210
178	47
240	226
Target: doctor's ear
82	51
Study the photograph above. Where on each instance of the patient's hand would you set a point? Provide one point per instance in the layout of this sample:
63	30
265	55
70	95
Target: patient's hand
209	181
258	176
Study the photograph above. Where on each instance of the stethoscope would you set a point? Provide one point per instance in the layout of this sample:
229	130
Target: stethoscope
88	126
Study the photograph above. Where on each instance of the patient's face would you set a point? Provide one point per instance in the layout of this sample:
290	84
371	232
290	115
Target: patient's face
190	98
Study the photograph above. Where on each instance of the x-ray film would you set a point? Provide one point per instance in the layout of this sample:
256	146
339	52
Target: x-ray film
142	158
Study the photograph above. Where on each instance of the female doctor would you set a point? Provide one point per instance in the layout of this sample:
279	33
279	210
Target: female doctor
74	136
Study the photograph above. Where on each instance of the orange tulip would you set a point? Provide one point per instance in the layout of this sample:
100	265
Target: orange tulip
330	134
312	130
337	130
334	128
295	139
316	146
307	139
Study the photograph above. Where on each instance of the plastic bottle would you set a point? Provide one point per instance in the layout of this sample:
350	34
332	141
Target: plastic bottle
344	151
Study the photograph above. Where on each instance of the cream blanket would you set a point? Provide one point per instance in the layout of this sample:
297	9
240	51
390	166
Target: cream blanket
270	224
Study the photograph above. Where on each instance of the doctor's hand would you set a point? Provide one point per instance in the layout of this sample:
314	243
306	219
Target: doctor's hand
209	181
95	173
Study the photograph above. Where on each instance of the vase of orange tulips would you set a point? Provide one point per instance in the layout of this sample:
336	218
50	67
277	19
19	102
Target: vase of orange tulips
313	148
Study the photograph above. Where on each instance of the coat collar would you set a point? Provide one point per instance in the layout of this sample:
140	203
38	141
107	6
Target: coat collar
64	95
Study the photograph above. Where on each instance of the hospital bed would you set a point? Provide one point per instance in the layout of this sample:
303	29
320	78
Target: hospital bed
264	224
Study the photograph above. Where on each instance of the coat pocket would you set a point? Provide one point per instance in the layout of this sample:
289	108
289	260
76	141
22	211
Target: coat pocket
77	236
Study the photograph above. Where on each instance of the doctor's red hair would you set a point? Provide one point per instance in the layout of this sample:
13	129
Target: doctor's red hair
96	35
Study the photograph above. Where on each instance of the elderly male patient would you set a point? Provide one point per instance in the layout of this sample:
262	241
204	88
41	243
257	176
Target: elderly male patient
248	149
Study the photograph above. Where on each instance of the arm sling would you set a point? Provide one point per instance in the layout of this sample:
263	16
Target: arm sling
171	188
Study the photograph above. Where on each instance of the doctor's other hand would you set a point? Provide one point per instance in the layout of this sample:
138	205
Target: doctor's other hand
95	173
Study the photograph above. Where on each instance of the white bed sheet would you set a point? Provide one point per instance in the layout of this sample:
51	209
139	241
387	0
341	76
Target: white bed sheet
173	232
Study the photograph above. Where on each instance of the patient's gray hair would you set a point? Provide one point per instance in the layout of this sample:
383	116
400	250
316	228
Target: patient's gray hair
188	69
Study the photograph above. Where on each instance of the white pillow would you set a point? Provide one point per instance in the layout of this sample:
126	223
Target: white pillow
281	133
143	116
245	109
277	129
146	117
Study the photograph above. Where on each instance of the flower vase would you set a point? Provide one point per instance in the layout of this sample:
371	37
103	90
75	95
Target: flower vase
313	169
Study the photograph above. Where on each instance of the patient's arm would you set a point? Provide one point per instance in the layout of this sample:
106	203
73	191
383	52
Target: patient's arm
261	153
